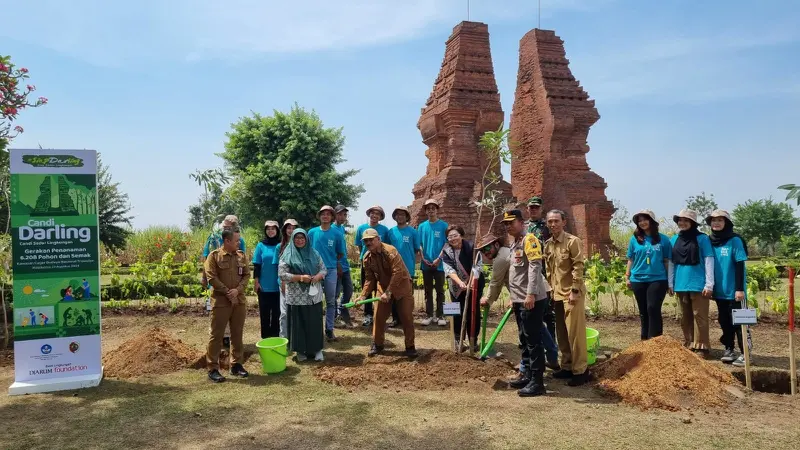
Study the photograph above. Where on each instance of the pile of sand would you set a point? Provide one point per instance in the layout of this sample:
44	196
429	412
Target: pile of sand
153	352
432	370
662	373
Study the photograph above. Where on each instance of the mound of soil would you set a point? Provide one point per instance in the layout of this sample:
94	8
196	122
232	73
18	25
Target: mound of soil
662	373
431	370
154	352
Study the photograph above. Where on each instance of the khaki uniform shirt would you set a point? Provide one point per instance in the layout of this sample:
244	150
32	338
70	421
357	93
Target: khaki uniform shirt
564	257
386	271
226	271
525	272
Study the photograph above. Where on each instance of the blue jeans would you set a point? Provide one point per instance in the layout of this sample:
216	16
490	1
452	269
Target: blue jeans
329	288
344	287
550	348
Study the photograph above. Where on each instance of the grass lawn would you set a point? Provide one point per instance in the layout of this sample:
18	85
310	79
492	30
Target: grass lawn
295	410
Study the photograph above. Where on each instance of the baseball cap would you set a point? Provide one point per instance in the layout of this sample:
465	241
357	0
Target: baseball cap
535	201
369	233
340	208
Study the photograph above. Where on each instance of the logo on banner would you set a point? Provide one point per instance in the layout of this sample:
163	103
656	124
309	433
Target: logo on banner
46	349
74	347
52	161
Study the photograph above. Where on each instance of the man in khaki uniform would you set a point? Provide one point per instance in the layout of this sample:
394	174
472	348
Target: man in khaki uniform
564	259
228	273
385	271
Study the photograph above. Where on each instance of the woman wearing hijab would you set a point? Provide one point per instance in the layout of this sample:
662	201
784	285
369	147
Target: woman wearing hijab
265	280
649	253
302	269
691	277
457	257
730	254
286	234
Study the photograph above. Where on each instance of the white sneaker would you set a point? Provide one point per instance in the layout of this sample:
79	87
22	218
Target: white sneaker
427	321
301	357
319	357
442	322
739	361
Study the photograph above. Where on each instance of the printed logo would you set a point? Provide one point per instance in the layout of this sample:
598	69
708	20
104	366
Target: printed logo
74	347
330	243
52	161
437	234
657	247
46	349
406	239
724	251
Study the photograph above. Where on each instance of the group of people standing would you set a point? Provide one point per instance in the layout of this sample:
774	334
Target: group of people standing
696	267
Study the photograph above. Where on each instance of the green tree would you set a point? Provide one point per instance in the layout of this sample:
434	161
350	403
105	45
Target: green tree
114	210
704	205
285	165
793	192
765	222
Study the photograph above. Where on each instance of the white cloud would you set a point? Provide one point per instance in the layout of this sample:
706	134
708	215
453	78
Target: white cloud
122	33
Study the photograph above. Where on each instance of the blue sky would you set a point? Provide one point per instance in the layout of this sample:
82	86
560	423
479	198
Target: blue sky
693	95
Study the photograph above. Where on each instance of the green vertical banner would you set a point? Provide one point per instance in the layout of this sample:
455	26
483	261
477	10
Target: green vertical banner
55	243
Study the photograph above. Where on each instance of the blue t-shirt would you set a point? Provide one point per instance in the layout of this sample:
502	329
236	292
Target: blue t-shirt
268	278
382	233
432	236
214	242
345	262
406	241
725	259
648	259
328	244
693	278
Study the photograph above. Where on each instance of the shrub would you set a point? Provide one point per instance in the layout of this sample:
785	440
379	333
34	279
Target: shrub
150	244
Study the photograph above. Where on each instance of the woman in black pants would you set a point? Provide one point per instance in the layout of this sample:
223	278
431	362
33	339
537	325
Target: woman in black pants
265	279
649	253
457	257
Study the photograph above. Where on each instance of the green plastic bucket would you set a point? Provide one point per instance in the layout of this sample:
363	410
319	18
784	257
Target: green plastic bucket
592	345
273	354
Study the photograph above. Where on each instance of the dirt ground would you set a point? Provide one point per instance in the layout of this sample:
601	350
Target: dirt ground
300	409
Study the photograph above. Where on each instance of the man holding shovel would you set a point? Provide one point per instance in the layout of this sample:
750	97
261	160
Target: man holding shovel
526	285
385	271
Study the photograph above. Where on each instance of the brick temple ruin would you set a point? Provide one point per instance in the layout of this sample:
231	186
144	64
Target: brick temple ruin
550	123
463	105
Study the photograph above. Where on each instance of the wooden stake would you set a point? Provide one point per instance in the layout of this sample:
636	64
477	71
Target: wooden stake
792	362
747	377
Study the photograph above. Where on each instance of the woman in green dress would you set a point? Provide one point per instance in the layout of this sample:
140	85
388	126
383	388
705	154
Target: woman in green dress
302	269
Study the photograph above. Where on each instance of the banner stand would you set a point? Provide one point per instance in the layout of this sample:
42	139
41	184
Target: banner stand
56	384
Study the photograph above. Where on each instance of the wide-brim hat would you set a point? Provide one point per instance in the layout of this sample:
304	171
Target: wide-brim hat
685	214
291	222
433	202
487	239
719	213
271	223
645	212
326	208
231	218
403	209
376	208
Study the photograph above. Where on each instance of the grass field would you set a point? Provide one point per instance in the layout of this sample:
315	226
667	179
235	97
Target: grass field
295	410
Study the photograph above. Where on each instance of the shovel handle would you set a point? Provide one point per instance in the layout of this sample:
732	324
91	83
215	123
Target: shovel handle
361	302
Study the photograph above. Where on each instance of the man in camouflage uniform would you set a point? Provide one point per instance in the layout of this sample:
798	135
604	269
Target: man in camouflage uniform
537	226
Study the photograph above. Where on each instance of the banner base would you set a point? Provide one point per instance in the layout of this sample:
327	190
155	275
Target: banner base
58	384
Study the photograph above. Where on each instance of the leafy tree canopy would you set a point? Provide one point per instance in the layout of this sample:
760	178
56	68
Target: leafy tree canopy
114	209
765	221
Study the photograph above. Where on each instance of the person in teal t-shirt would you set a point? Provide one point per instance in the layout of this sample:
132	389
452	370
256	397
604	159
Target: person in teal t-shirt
265	280
692	278
730	281
375	214
405	239
344	285
432	235
649	253
329	243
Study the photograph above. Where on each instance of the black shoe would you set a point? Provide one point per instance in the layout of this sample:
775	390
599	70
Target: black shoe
375	350
520	382
215	376
533	389
553	366
226	342
563	374
331	337
579	380
238	371
411	352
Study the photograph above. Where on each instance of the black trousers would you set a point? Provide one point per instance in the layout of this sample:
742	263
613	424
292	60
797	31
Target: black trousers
269	311
369	307
550	318
729	330
650	298
431	278
532	348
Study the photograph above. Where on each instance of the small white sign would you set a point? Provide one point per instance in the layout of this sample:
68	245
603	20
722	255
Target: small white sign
744	317
452	309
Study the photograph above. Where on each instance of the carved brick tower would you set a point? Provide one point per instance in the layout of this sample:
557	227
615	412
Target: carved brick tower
549	127
464	104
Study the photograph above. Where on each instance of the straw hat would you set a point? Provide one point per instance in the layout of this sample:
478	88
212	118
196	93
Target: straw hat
685	214
719	213
647	213
376	208
487	239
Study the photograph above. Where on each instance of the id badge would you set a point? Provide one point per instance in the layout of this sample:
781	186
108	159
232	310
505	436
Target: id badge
241	270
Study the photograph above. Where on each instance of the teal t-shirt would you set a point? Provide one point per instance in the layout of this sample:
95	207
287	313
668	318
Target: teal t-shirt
406	241
328	244
432	236
693	278
725	259
383	232
268	278
345	262
648	259
214	242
